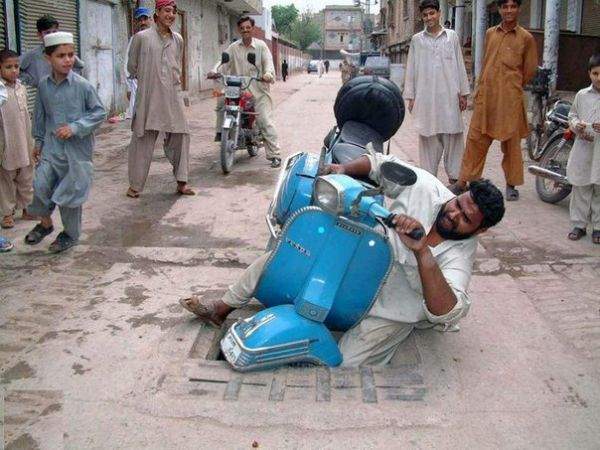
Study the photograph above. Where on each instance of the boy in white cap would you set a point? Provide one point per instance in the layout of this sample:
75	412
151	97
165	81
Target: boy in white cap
67	111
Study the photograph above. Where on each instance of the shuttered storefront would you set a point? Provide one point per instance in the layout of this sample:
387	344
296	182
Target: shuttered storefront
590	18
29	11
2	25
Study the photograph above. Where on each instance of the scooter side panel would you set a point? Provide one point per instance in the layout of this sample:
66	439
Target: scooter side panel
296	191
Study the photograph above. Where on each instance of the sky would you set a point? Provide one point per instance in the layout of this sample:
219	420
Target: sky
317	5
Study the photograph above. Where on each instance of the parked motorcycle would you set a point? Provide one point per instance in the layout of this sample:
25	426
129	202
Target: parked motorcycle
551	181
239	130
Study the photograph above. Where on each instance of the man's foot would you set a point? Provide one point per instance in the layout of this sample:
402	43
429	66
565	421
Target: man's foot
8	221
577	233
457	188
27	216
512	195
275	162
212	312
132	193
184	189
62	242
38	233
5	245
218	137
596	236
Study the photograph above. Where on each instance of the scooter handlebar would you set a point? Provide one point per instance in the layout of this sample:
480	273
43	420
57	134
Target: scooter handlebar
416	234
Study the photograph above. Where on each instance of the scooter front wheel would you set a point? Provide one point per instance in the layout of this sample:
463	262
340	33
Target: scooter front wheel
227	151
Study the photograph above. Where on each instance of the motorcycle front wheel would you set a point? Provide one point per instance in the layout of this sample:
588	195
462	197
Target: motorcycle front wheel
227	150
555	159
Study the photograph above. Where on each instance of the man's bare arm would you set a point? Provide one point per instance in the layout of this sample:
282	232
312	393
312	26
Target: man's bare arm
360	167
438	294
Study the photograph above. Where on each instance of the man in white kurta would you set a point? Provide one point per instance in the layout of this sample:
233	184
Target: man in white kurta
155	59
436	89
583	167
239	65
403	303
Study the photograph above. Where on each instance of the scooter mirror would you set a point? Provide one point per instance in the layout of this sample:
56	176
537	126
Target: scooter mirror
252	58
224	58
398	174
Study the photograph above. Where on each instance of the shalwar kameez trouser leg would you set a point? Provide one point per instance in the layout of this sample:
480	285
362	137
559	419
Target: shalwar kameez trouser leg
432	148
141	149
16	189
584	206
43	205
476	151
264	121
373	341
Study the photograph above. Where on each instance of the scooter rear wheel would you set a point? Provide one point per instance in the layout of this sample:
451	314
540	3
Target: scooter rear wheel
227	151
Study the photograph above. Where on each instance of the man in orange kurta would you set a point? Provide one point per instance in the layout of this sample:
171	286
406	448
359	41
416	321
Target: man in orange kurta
510	62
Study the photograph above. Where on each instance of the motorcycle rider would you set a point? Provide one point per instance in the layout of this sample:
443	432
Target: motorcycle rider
427	287
239	65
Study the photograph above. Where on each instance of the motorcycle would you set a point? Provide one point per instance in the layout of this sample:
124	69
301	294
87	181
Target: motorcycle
551	182
239	130
329	256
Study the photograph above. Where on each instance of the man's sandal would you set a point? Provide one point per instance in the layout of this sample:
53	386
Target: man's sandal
8	221
596	236
204	309
185	190
577	233
132	194
38	233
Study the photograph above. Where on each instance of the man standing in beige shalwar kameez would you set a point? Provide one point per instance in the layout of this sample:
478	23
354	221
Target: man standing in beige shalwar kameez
155	59
436	89
239	65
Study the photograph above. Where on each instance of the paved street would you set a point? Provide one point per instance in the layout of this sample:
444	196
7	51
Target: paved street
95	351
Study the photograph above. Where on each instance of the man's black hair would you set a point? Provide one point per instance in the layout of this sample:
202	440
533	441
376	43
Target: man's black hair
489	200
46	22
499	3
594	61
6	53
424	4
243	19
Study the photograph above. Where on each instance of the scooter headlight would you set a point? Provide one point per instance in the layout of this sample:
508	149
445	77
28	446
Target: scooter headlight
327	196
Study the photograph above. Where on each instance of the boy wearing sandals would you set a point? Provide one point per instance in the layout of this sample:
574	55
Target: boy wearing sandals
67	112
16	145
583	167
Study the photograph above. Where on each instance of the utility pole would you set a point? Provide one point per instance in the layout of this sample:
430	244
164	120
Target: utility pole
551	37
481	27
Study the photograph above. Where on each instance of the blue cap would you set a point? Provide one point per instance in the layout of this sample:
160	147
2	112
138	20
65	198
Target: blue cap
141	11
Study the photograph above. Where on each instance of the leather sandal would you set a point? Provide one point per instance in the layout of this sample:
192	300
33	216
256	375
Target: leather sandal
8	221
38	233
577	233
596	236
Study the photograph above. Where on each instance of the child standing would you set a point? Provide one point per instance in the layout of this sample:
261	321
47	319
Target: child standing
583	167
16	145
5	244
67	112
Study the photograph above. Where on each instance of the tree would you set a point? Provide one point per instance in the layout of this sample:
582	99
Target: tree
305	30
284	17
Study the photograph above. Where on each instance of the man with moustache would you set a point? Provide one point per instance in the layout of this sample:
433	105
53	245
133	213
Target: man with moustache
155	59
142	18
509	63
427	287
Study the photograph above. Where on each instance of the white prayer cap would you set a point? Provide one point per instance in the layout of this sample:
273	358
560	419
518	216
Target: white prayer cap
58	38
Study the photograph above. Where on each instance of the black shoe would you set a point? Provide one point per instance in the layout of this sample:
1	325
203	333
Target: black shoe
62	242
512	195
275	162
38	233
218	137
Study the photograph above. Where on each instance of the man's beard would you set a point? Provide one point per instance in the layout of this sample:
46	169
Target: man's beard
445	232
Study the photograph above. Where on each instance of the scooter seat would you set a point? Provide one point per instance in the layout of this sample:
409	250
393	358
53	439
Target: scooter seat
361	134
344	152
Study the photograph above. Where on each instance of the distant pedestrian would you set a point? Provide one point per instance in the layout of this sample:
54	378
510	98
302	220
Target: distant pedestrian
67	112
583	167
326	64
142	17
155	58
436	89
34	65
346	71
320	68
284	69
447	25
509	63
16	144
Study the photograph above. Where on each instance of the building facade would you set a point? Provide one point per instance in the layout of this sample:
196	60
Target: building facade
342	30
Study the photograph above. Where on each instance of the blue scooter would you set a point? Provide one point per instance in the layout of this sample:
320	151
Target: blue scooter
327	267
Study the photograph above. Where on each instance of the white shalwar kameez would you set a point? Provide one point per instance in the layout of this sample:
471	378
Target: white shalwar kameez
400	306
435	77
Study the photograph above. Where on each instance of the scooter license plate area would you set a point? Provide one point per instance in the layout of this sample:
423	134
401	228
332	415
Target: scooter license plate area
231	349
233	92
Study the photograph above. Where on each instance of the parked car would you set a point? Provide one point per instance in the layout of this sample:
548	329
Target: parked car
377	65
312	66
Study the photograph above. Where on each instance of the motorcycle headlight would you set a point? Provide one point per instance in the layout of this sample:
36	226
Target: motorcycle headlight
327	196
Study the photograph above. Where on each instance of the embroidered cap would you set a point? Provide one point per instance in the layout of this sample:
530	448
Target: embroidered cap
58	38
